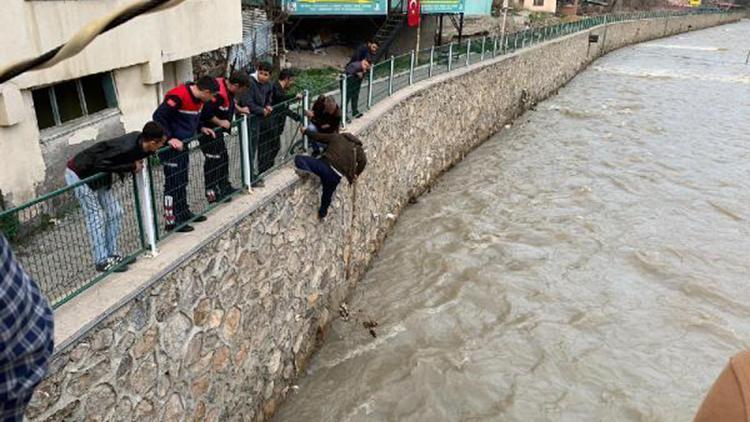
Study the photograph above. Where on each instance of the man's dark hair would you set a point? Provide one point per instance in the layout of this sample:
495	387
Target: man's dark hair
239	77
152	131
265	66
207	83
286	74
374	42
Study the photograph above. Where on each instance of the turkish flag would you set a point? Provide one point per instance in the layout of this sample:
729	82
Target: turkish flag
415	12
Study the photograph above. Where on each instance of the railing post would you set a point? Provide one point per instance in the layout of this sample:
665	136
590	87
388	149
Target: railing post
390	78
344	107
247	170
450	55
494	47
468	51
305	119
484	40
146	200
432	61
411	68
369	89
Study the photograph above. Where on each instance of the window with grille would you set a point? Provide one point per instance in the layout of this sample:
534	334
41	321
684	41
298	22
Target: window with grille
60	103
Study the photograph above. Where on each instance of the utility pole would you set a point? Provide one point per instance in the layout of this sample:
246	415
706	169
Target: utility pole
502	28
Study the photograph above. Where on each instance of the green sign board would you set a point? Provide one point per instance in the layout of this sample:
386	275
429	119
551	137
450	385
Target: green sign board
442	6
336	7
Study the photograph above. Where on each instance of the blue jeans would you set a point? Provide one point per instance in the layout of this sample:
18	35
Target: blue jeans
328	178
316	147
103	215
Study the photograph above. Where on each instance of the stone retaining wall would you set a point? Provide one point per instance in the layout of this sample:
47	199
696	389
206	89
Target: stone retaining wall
224	335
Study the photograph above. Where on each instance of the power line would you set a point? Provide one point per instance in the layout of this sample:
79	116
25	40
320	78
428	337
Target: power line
85	36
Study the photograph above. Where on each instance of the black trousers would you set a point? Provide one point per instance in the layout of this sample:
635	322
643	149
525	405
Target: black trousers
176	165
353	86
216	164
269	144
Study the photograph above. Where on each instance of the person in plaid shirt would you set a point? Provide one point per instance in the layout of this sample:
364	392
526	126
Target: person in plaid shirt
26	336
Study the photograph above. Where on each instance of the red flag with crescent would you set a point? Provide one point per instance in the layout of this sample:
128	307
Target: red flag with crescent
414	12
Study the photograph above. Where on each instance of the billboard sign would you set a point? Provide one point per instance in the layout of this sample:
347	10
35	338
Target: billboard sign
336	7
442	6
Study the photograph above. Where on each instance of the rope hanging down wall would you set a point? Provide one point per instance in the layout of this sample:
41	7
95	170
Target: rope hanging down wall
85	36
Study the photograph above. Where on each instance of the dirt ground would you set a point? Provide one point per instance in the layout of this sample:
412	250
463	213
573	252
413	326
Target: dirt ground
334	56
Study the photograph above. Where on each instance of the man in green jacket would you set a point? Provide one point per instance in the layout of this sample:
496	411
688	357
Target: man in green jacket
343	157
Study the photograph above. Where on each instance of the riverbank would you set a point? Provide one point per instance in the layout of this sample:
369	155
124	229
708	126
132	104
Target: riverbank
228	316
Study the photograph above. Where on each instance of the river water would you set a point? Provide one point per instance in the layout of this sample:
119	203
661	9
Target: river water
590	263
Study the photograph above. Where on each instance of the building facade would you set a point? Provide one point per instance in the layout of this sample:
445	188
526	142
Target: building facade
545	6
110	88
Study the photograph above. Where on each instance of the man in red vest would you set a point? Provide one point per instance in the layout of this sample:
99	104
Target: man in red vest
219	114
179	115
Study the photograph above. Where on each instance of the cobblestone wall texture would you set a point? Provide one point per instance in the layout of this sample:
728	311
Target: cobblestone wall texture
224	336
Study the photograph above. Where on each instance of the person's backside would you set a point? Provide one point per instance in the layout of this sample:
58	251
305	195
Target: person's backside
344	157
26	336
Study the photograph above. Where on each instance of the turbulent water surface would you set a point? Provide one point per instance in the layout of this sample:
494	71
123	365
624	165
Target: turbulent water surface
589	263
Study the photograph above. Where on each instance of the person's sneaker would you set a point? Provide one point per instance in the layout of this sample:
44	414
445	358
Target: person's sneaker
357	115
110	264
120	259
211	196
302	174
187	228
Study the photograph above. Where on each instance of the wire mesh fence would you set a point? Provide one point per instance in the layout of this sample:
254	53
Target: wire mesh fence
60	237
276	138
187	184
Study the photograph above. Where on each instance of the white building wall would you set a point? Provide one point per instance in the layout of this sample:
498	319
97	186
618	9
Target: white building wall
138	53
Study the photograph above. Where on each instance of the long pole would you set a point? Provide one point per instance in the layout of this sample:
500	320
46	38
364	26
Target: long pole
419	32
502	28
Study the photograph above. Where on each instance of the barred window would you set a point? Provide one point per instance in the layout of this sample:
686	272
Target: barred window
70	100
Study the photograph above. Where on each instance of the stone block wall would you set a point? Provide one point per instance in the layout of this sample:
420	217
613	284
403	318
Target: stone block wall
224	336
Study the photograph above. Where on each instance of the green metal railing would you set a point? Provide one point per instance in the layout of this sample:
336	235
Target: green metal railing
52	241
50	234
398	72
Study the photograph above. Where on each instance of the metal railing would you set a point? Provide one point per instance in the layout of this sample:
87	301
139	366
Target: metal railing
398	72
56	236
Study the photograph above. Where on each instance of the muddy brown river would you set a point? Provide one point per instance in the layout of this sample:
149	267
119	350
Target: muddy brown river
591	262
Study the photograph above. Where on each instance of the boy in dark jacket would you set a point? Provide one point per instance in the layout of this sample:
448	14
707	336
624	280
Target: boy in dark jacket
219	113
101	209
280	103
256	102
343	157
367	51
355	73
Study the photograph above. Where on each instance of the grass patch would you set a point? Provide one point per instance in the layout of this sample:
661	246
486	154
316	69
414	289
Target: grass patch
317	81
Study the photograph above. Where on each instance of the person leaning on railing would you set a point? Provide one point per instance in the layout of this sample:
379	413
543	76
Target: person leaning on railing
26	336
355	73
219	114
280	102
325	117
367	51
101	209
256	102
179	115
343	157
